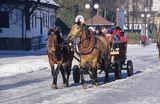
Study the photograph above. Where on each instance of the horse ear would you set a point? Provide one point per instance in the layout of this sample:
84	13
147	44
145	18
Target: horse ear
49	31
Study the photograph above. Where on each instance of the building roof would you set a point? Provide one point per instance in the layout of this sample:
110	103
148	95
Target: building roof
47	3
52	2
98	20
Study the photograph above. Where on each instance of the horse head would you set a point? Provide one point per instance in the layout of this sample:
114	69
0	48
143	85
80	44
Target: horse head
75	32
54	39
53	31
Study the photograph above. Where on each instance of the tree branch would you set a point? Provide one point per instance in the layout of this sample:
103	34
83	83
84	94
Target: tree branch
34	7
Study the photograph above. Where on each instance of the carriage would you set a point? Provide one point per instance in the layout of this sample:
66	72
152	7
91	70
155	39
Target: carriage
118	62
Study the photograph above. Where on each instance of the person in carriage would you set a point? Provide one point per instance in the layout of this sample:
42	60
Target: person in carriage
118	41
117	36
98	31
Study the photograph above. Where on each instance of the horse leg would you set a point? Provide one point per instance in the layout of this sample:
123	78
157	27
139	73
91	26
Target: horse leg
94	75
54	76
105	66
106	78
68	69
63	75
82	78
68	74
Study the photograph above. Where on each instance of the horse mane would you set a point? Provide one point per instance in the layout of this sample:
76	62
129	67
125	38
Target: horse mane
103	40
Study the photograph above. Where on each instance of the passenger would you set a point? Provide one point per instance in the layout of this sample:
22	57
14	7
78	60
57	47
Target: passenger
98	31
116	38
123	38
91	29
104	30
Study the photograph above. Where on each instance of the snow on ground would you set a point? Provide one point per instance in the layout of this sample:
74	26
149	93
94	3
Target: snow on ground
5	53
17	62
142	88
22	67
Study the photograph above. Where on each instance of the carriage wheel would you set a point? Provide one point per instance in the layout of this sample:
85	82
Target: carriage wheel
129	68
76	74
117	70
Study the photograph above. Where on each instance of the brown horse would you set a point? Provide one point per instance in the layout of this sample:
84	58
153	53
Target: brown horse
59	55
92	49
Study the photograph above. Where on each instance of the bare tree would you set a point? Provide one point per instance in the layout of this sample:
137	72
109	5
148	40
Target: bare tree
29	8
109	8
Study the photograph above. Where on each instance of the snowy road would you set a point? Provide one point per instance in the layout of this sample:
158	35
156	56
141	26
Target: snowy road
34	87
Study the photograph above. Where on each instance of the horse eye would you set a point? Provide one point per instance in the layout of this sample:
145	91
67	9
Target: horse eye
77	27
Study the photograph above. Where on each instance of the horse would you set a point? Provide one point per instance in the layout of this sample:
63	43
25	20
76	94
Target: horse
92	50
60	56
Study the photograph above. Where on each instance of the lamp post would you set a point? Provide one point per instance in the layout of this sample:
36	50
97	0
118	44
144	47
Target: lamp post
117	17
145	16
88	6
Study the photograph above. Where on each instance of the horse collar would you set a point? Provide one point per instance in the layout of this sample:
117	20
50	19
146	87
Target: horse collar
90	47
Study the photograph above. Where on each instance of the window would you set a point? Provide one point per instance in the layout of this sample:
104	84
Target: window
48	20
4	19
35	20
149	3
43	20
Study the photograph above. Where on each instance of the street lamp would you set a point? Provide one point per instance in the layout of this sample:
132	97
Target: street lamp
148	15
87	6
145	16
117	10
96	6
142	15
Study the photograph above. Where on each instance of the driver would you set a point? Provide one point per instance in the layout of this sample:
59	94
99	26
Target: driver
81	21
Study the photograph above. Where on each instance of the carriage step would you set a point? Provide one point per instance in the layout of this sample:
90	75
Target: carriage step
114	52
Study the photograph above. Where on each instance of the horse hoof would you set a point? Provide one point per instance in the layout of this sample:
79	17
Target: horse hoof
53	86
95	83
84	85
65	85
